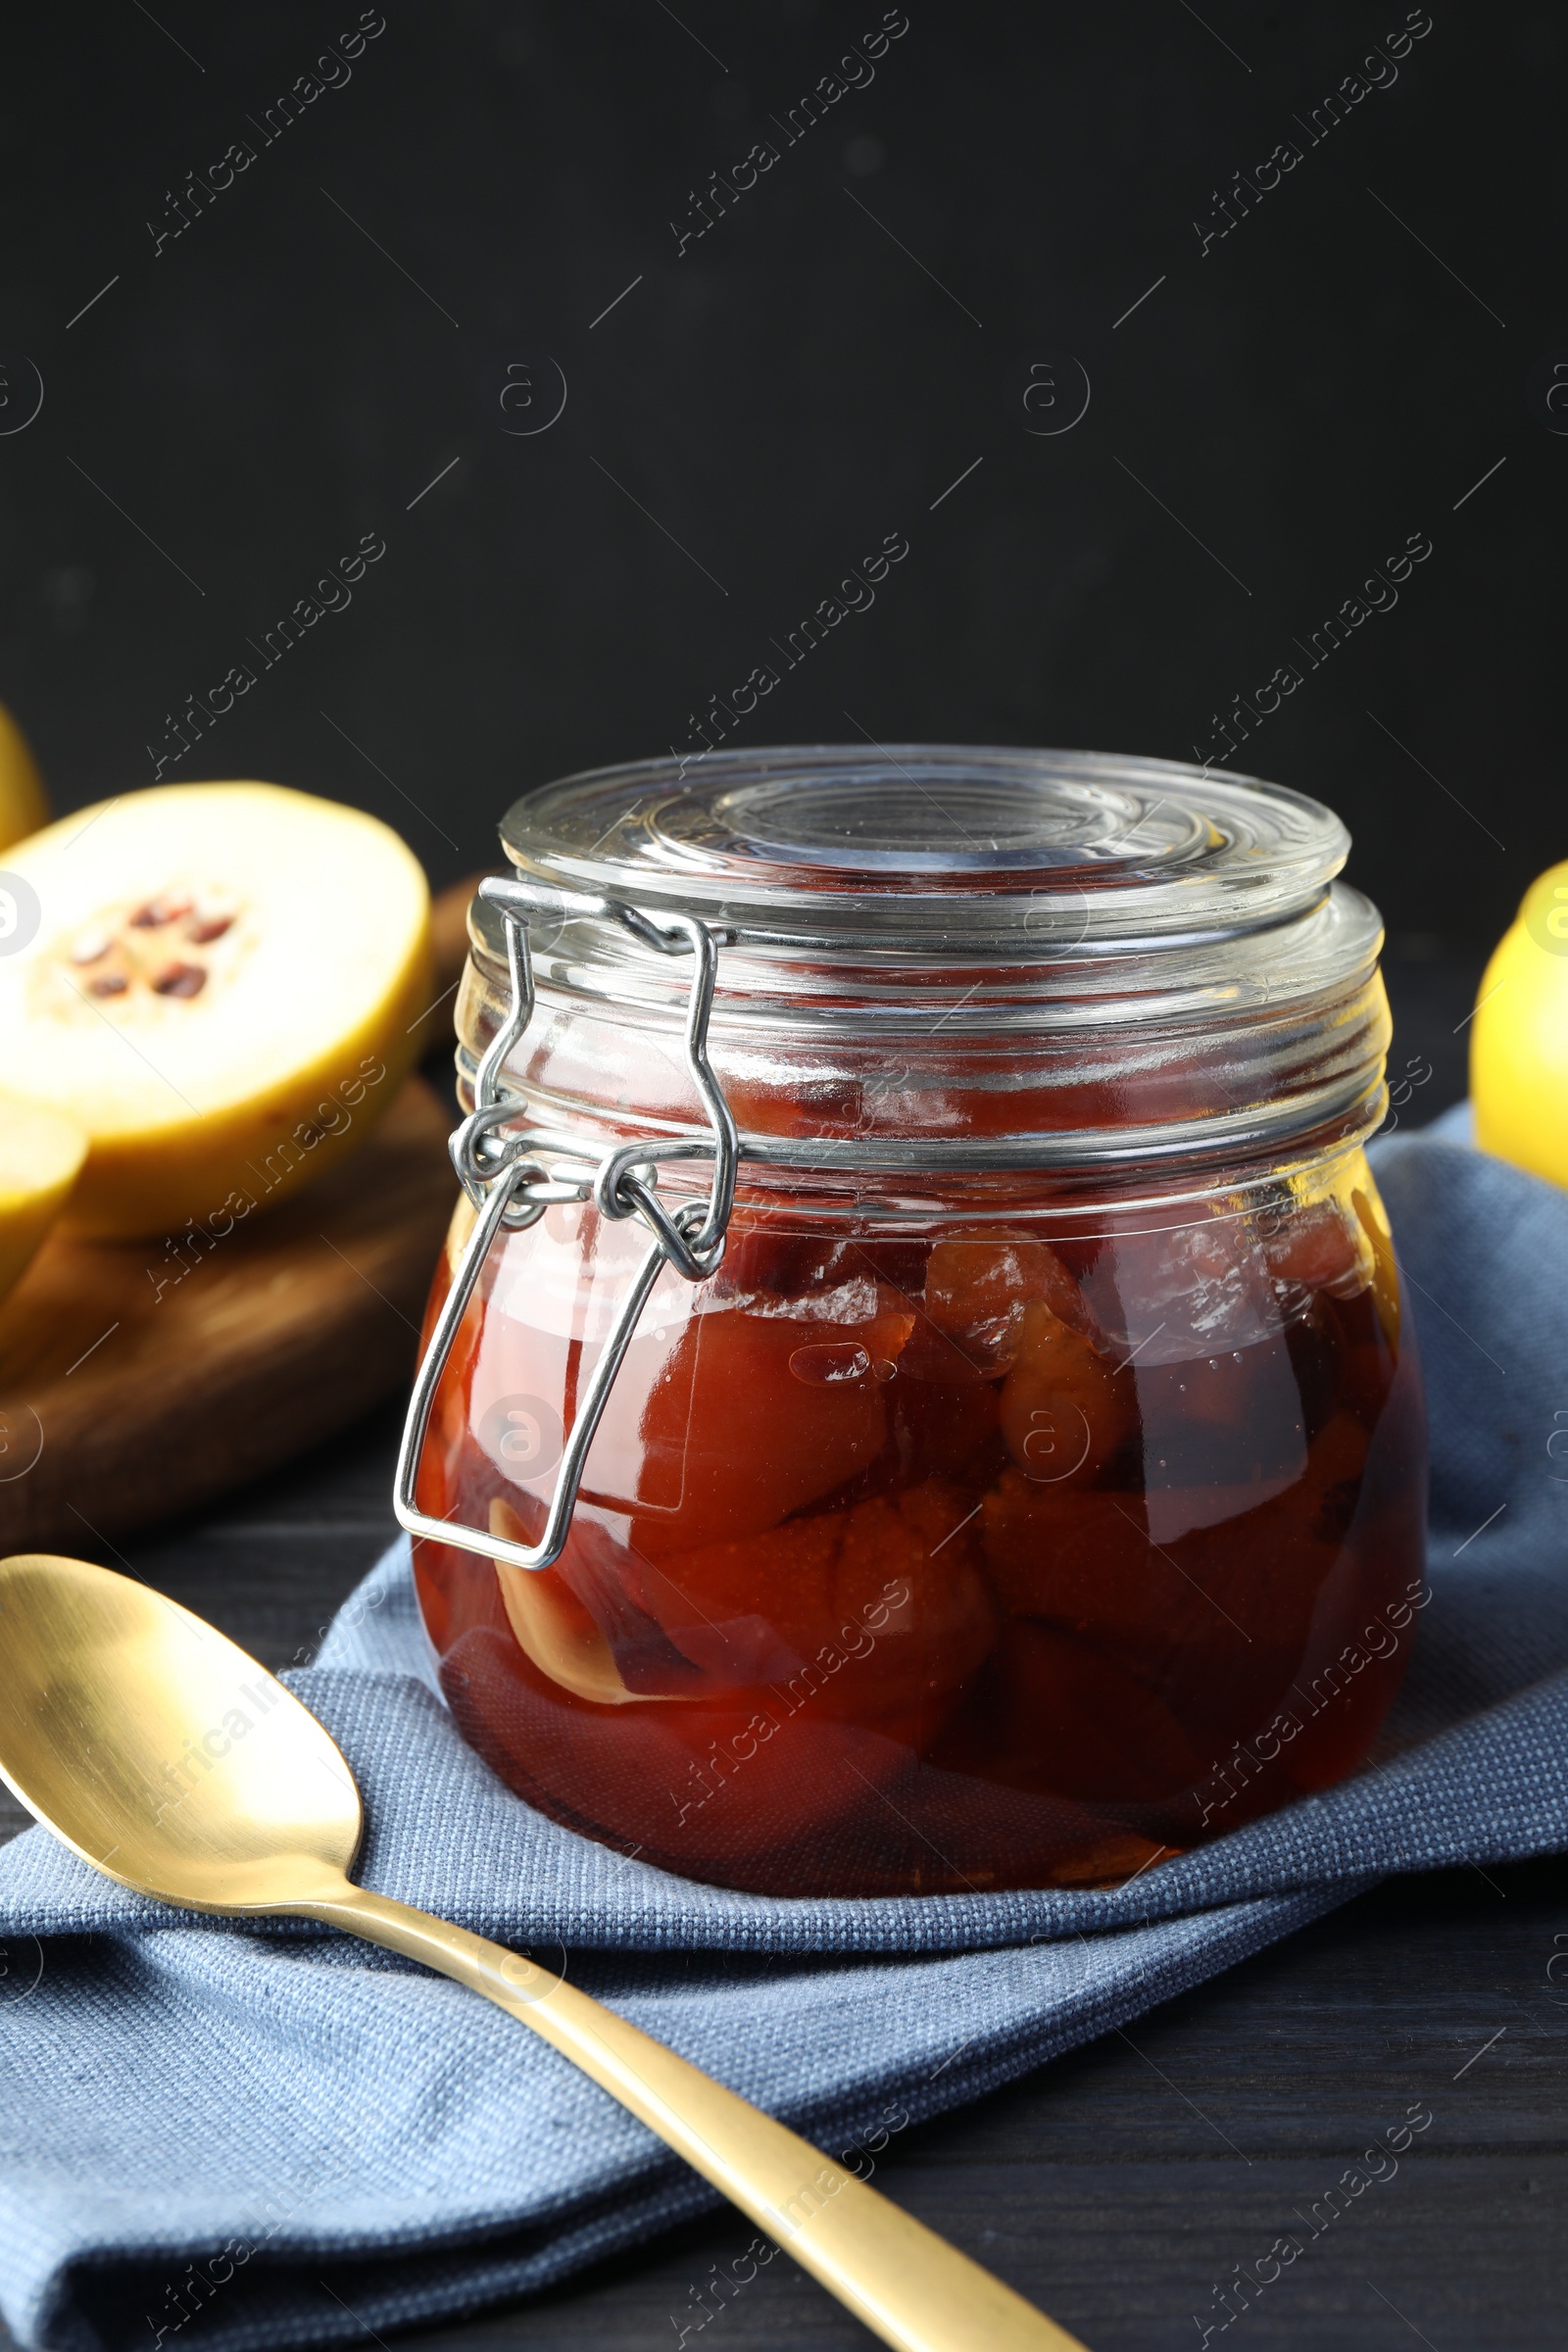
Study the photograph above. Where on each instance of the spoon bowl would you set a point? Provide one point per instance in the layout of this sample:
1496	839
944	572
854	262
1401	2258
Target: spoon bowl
161	1752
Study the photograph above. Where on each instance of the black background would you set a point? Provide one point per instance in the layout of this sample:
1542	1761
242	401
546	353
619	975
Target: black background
810	375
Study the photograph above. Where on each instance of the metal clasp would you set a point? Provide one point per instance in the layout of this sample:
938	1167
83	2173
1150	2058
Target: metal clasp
511	1188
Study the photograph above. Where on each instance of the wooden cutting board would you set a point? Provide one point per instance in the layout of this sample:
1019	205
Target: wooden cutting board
120	1405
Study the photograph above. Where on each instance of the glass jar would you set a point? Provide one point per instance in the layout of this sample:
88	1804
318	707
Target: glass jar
939	1416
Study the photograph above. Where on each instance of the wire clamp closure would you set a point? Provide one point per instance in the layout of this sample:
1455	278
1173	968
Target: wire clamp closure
511	1188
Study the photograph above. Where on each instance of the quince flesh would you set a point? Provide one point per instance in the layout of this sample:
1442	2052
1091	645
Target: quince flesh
220	991
1519	1038
40	1156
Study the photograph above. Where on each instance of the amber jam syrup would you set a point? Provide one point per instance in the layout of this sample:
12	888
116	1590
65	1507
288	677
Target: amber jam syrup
899	1566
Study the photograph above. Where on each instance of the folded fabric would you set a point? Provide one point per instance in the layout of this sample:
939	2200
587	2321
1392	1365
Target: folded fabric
273	2136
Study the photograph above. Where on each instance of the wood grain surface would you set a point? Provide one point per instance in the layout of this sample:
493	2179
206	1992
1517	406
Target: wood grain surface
139	1379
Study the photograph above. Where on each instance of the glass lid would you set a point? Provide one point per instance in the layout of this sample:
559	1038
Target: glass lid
909	926
937	849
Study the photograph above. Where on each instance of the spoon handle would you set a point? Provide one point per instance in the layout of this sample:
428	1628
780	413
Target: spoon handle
905	2284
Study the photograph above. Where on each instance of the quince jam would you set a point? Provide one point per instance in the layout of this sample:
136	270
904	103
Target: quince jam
1034	1487
1024	1548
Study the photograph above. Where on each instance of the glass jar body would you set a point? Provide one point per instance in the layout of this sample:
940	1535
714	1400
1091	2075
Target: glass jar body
1018	1535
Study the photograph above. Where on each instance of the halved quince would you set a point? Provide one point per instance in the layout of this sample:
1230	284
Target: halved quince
40	1157
221	990
23	803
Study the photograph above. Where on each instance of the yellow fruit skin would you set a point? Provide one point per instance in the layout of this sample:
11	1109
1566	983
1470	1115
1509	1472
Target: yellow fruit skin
24	804
40	1157
240	1161
1519	1042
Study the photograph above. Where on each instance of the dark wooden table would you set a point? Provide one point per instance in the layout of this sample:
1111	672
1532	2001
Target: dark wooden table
1126	2187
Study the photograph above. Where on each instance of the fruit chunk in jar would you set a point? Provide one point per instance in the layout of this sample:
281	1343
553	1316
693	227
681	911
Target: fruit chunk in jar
920	1565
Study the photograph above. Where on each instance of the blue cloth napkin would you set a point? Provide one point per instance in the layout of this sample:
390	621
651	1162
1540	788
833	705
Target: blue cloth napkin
280	2136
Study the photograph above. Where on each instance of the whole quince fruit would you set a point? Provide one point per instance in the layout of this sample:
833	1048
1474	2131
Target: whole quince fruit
1519	1038
24	804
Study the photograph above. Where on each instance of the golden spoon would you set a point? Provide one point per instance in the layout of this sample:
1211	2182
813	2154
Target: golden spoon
170	1760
